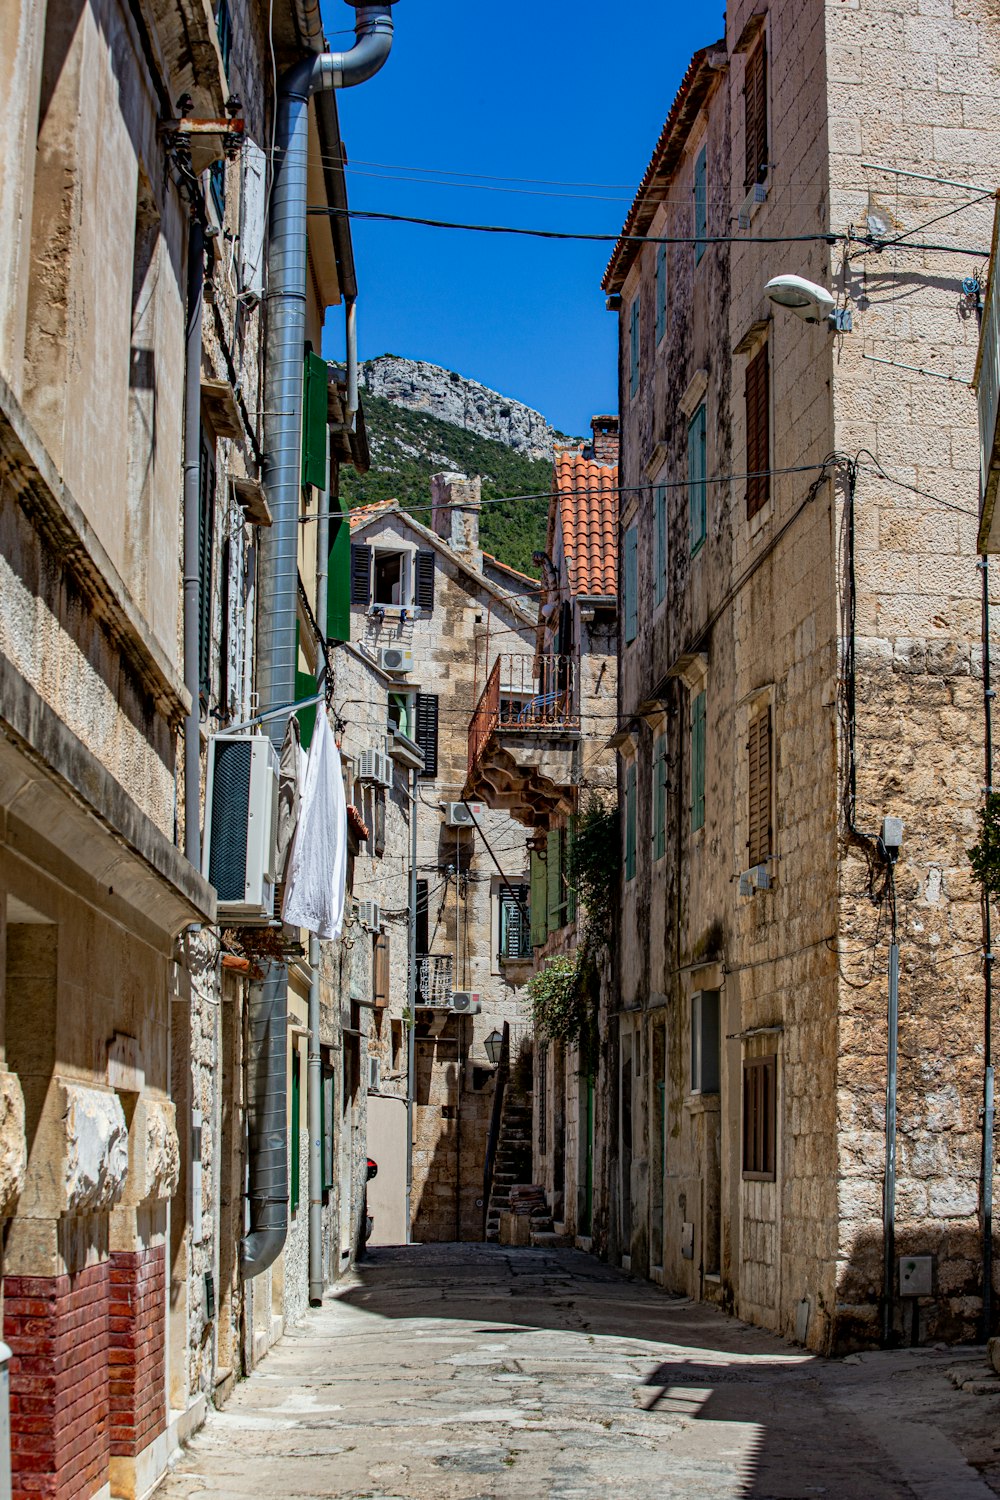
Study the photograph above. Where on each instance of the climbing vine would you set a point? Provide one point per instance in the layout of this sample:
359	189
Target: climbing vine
985	856
556	1000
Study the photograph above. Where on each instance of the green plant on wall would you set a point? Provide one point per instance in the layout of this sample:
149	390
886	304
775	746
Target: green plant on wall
985	856
555	998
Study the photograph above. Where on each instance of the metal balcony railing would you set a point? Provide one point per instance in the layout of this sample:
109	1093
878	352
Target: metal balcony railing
523	694
434	979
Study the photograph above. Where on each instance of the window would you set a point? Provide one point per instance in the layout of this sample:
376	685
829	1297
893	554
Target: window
224	31
206	541
757	391
296	1142
423	919
631	584
700	203
759	1118
327	1098
698	762
425	730
755	115
705	1042
660	543
759	788
660	797
630	799
400	714
392	577
380	970
515	930
661	291
698	478
634	316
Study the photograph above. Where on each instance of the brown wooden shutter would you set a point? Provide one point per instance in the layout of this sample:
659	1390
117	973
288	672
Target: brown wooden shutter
760	1117
755	105
759	788
380	971
758	431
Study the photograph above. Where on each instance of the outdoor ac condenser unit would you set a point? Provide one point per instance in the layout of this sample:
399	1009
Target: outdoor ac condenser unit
395	659
461	814
375	766
465	1003
241	826
370	915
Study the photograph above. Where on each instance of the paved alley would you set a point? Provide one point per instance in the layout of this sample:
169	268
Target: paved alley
452	1372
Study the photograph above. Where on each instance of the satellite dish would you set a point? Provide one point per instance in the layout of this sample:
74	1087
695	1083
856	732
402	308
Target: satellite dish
811	303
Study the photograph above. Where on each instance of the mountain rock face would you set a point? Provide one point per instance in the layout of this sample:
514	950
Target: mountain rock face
420	387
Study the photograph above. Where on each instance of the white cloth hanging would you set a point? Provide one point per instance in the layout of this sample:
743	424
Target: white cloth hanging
317	865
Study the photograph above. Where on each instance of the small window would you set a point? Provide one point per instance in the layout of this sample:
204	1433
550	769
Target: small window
700	203
661	291
759	1118
705	1042
757	395
755	114
391	578
660	797
660	543
630	811
400	715
634	330
698	762
631	584
698	477
759	788
515	927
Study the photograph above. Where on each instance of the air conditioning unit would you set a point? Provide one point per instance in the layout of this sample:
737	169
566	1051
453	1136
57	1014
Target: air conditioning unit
395	659
757	878
756	196
375	766
464	1003
374	1074
370	915
241	827
462	814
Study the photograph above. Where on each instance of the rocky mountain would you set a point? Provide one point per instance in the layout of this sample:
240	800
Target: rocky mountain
418	386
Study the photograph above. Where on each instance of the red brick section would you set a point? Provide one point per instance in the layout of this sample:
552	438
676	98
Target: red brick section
57	1328
137	1313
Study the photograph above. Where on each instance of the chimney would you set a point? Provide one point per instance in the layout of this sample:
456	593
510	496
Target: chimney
604	443
456	501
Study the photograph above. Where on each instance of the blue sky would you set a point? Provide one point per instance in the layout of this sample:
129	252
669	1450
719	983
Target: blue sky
571	92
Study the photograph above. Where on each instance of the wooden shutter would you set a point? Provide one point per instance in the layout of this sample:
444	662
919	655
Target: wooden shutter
296	1129
697	478
755	110
426	730
515	938
760	1117
423	919
757	390
631	584
660	540
660	798
630	787
338	597
539	905
423	588
698	762
759	788
661	291
569	845
206	542
634	334
700	203
361	574
553	863
380	971
314	421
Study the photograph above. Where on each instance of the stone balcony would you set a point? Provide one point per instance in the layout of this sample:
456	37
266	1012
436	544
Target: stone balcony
524	738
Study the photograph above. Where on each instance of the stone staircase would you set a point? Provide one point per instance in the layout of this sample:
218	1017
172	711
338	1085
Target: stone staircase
513	1159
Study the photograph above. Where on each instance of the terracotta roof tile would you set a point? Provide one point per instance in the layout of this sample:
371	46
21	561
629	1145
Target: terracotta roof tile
587	497
362	514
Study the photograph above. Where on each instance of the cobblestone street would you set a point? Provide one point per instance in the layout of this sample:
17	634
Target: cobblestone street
451	1372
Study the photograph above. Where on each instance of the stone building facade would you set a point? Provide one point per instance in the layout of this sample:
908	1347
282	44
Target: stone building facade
799	655
422	589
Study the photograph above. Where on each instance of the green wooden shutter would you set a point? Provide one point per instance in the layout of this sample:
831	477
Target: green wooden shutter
661	291
539	904
305	687
660	540
553	856
314	420
338	591
700	203
634	344
630	784
568	861
660	798
631	584
697	478
698	762
296	1128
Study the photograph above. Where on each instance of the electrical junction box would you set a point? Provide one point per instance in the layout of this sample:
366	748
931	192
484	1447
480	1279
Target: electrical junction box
916	1275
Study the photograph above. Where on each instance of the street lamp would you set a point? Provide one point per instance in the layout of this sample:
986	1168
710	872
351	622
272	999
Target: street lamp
493	1043
811	303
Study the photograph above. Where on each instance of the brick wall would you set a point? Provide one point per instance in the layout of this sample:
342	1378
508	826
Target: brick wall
136	1355
57	1329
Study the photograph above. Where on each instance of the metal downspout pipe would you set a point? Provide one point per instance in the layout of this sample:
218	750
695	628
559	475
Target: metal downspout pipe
314	1070
192	572
278	571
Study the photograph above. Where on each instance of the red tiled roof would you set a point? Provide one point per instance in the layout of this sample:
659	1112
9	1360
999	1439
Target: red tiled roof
365	513
656	178
506	568
356	821
587	498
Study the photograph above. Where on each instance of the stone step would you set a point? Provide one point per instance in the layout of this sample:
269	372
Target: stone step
549	1240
